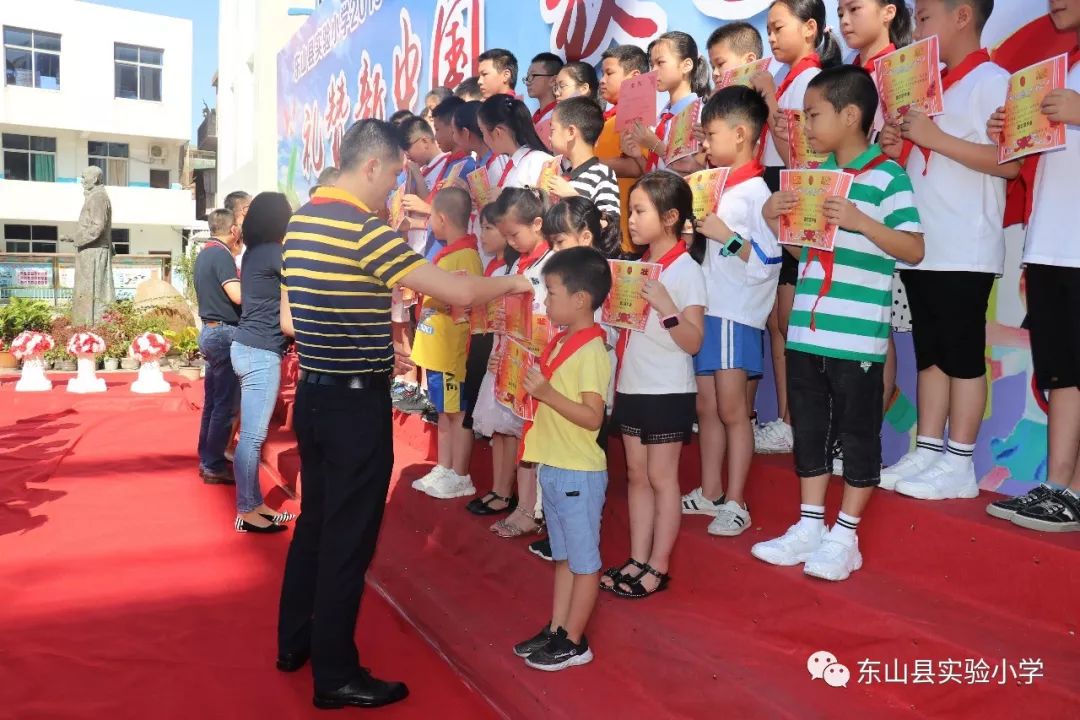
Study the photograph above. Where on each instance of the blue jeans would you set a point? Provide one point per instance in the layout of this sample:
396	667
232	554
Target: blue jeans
260	376
573	504
221	396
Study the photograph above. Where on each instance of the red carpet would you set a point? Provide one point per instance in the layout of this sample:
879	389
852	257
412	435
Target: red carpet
127	594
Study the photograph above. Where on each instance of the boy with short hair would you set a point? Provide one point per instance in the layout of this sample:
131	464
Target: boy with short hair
839	329
440	348
437	159
497	71
568	390
575	128
731	46
960	192
540	86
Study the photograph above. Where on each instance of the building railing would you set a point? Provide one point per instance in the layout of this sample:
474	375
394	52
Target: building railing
51	277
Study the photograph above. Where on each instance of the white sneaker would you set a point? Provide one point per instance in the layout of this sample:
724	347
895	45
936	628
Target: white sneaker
791	548
834	560
941	481
912	464
695	503
423	483
731	520
774	438
450	485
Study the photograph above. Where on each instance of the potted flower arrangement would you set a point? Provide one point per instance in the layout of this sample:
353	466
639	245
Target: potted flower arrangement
148	348
18	315
30	347
186	345
86	346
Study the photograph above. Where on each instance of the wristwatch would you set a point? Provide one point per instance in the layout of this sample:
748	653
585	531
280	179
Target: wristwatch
670	321
732	246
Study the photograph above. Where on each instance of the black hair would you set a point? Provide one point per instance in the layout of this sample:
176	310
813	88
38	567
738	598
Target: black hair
445	110
456	203
686	48
849	85
233	200
668	192
370	138
737	103
414	127
267	219
585	114
902	25
584	74
582	269
630	58
469	89
576	214
983	10
401	116
514	116
741	37
524	203
490	214
502	60
825	43
551	62
466	117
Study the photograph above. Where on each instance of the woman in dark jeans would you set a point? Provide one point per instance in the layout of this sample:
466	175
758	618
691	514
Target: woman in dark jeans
256	355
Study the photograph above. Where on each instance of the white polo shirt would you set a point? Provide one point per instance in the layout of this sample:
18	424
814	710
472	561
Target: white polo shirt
962	209
526	169
653	364
1055	214
792	99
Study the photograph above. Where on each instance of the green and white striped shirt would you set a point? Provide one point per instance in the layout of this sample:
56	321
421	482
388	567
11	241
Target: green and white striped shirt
851	321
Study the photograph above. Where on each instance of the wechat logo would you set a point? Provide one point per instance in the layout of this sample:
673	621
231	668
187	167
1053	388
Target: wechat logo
823	666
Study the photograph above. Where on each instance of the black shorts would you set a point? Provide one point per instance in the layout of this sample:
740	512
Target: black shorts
948	320
655	419
475	368
836	403
1053	303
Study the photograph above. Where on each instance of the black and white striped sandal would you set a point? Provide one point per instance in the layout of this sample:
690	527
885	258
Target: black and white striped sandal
243	526
279	518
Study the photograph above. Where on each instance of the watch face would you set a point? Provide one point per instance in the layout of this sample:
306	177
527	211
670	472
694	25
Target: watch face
735	247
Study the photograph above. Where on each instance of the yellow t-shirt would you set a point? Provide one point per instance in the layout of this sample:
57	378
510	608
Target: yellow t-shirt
441	344
553	440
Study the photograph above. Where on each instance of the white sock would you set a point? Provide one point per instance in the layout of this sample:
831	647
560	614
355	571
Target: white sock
959	455
812	517
928	447
845	527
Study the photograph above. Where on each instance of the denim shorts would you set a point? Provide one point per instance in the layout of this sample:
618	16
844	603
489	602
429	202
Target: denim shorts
573	503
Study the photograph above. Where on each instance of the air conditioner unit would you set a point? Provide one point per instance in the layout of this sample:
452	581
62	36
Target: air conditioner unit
159	154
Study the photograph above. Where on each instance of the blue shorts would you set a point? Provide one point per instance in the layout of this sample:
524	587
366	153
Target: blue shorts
729	345
573	503
446	392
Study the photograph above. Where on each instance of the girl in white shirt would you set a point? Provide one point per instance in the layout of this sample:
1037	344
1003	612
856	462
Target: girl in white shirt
508	130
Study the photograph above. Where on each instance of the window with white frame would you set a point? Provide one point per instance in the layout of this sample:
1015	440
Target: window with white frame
121	241
27	157
112	158
138	72
30	238
31	58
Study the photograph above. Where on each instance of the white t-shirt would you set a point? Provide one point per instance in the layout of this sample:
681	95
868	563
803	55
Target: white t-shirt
527	166
535	274
792	99
653	364
1055	214
743	291
962	209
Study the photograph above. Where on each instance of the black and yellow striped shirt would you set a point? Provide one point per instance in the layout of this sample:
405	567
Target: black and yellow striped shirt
340	261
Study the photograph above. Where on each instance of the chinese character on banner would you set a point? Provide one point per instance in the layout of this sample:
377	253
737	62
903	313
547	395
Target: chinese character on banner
407	66
584	29
455	41
314	153
338	110
371	92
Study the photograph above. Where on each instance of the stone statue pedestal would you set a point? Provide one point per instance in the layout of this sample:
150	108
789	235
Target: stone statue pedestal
87	380
150	379
33	376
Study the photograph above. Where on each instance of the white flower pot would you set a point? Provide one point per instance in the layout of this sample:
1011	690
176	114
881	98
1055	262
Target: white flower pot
150	380
33	376
86	381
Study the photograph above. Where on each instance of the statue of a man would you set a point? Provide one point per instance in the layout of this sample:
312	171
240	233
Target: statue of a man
93	259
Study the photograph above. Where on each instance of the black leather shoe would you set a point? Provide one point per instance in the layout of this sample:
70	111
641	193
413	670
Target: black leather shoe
365	692
291	662
212	477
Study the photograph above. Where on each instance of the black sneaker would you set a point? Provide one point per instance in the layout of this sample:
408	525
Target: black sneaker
1005	509
560	654
536	642
541	549
431	417
1059	512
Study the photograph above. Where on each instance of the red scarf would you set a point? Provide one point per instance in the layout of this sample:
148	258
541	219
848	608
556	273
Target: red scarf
451	160
665	262
951	76
746	171
528	260
813	60
870	65
494	265
509	167
465	243
610	112
492	157
539	114
828	259
661	130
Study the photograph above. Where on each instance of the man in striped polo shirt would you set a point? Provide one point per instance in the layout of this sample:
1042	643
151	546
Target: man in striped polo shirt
340	263
839	330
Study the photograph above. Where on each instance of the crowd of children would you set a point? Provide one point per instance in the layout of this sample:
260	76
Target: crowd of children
555	194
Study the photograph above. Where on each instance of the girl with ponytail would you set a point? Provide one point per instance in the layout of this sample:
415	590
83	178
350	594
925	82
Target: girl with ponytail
507	128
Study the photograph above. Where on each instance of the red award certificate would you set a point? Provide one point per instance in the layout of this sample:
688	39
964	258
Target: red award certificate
480	188
707	186
397	208
517	310
541	333
624	307
637	101
1027	130
800	155
681	141
514	364
910	79
742	74
805	225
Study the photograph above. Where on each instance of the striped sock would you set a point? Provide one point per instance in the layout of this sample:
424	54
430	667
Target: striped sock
845	527
929	447
959	455
812	517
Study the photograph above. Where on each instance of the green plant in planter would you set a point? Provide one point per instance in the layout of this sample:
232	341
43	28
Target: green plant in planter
186	343
22	314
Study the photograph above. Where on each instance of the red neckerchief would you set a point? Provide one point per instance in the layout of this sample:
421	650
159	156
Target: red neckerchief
665	262
610	112
746	171
549	365
661	129
451	160
1030	165
428	169
828	259
494	265
492	157
466	243
528	260
539	114
951	76
509	167
811	61
870	65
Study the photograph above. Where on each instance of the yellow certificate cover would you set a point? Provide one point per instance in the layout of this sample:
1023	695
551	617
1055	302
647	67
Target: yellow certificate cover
805	225
1027	130
680	140
910	78
742	74
624	307
514	364
800	155
707	186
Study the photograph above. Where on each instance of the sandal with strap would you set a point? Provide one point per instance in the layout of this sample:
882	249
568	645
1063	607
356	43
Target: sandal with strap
482	505
506	529
637	590
618	576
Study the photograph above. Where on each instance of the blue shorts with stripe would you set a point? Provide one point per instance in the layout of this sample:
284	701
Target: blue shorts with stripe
728	345
446	393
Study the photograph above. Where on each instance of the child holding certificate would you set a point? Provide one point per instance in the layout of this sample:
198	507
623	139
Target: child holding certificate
741	266
654	392
564	443
508	130
488	166
735	45
575	128
837	340
960	191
